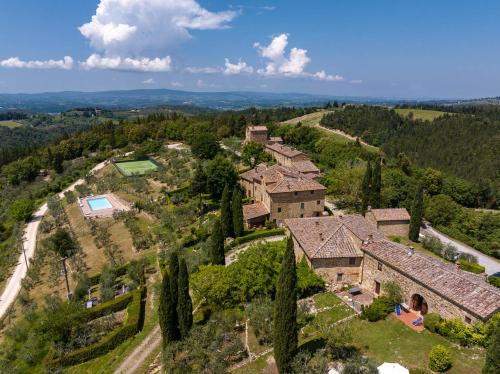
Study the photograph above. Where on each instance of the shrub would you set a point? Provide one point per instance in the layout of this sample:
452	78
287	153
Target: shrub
309	282
378	309
464	334
431	321
470	266
256	235
493	280
393	292
439	358
111	306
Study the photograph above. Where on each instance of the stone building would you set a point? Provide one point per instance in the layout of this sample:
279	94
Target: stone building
392	221
257	134
291	157
280	192
332	245
428	284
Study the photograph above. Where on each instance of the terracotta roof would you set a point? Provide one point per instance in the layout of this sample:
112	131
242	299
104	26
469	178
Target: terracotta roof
257	128
284	150
279	179
254	210
461	288
306	167
329	237
391	214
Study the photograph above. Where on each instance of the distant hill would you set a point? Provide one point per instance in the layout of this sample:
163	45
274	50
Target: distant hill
52	102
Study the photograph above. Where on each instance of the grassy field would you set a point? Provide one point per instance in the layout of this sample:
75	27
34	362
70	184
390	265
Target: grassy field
310	119
423	114
129	168
10	124
391	341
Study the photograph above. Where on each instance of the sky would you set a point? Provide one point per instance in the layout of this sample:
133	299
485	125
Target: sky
383	48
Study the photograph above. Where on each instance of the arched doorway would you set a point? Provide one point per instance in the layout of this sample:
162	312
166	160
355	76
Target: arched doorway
418	303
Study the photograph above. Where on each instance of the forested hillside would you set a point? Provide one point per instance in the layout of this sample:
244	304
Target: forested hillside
464	145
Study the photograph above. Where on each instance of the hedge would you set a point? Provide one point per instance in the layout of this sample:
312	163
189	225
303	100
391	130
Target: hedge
380	308
256	235
119	271
131	326
439	358
118	303
431	321
470	266
494	280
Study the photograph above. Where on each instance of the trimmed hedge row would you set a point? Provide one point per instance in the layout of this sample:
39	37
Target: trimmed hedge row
494	280
256	235
470	266
119	271
111	306
131	326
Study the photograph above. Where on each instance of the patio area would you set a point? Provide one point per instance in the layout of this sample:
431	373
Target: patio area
356	299
408	317
101	206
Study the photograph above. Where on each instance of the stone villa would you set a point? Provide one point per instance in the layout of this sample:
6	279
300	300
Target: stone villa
394	221
280	192
350	250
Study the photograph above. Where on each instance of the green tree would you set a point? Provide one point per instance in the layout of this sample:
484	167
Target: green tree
365	188
22	210
254	153
417	211
441	210
393	292
226	216
439	358
220	172
166	312
216	249
199	182
285	312
58	163
62	243
492	363
237	208
376	186
184	304
205	146
173	272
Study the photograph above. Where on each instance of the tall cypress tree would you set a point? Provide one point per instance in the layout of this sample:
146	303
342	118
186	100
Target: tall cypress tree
417	211
237	208
376	185
216	249
492	363
173	272
365	188
184	305
285	312
225	213
166	312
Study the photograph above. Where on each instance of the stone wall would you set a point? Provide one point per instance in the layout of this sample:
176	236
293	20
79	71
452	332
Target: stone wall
290	205
281	159
258	136
397	228
435	302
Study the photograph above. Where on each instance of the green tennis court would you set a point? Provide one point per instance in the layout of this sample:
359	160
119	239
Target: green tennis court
129	168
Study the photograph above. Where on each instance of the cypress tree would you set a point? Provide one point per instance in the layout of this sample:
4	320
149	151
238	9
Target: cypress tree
365	188
492	363
237	208
173	272
226	216
285	312
376	185
216	250
166	312
184	305
417	211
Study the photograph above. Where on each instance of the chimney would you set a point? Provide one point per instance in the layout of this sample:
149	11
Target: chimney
321	236
370	238
316	222
411	251
369	208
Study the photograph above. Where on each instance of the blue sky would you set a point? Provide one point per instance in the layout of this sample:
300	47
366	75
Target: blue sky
409	49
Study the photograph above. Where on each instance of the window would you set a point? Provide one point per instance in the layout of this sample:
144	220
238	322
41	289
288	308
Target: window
318	202
295	193
377	287
317	214
352	260
301	216
468	320
301	205
339	277
379	266
312	192
279	210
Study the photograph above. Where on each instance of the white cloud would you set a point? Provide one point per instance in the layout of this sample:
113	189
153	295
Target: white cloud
238	68
144	64
14	62
322	76
356	81
296	63
275	50
202	70
137	27
201	84
176	84
149	81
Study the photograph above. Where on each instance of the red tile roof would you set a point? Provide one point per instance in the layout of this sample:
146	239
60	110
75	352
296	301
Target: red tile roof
391	214
306	167
254	210
284	150
257	128
466	290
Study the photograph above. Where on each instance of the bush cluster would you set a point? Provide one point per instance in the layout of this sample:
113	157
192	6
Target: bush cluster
380	308
439	358
256	235
470	266
494	280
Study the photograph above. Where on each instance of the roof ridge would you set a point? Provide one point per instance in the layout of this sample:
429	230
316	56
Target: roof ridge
327	239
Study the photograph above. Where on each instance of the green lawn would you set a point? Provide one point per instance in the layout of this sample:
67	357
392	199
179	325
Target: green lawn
129	168
392	341
424	114
10	124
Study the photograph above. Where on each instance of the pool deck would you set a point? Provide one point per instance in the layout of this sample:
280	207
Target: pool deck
117	205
